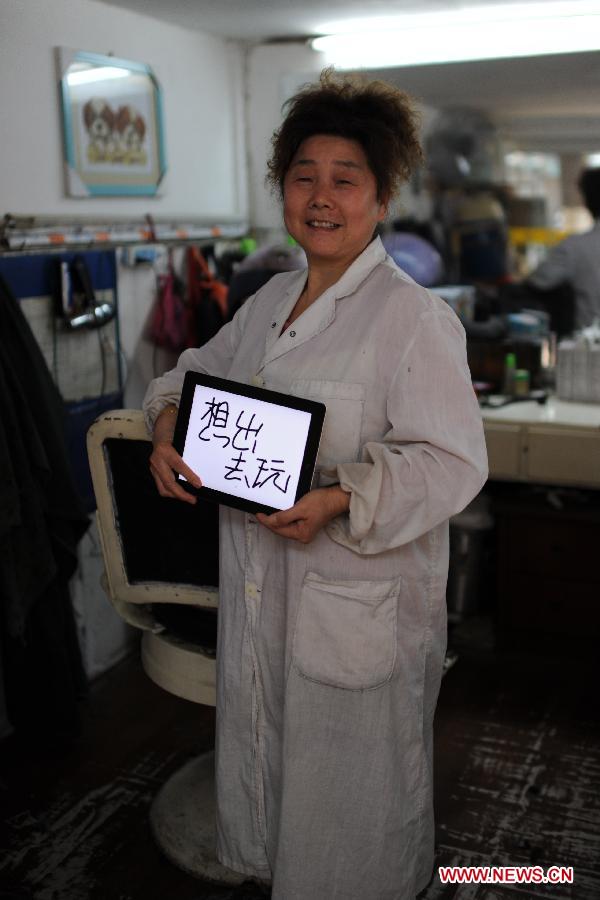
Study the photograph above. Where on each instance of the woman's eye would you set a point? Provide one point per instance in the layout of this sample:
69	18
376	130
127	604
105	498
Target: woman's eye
344	181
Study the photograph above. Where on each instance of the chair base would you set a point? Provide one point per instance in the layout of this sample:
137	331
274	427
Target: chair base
182	818
179	667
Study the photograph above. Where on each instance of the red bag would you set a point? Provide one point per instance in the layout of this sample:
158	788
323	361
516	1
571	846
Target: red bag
172	322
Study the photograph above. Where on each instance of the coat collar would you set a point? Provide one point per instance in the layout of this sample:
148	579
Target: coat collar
321	313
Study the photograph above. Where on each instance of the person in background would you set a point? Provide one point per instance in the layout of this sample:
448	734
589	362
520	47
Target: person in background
576	259
332	614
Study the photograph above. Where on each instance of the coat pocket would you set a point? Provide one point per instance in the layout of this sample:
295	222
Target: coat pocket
340	440
345	633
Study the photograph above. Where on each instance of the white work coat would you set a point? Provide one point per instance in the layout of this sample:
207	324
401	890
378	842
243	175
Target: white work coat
330	654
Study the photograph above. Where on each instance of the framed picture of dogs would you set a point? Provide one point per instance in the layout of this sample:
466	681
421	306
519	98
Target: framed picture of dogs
112	126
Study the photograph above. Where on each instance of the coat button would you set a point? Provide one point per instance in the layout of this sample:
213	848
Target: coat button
273	324
292	334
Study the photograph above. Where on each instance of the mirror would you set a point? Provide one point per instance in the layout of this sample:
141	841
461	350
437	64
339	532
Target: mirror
112	126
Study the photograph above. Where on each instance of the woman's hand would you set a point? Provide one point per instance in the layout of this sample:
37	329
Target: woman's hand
311	513
165	461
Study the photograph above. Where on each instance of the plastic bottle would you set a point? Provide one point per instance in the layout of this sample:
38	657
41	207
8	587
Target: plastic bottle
521	382
510	365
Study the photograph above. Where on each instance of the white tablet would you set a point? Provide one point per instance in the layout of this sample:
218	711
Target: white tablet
252	448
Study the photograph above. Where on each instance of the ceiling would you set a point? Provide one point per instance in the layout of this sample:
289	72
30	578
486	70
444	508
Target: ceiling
260	20
545	102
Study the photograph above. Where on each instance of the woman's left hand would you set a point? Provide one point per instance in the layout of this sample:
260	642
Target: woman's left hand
311	513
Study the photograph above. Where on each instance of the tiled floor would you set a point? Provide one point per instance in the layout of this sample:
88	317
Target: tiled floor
517	782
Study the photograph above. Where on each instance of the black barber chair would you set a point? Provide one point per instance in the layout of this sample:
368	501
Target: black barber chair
161	575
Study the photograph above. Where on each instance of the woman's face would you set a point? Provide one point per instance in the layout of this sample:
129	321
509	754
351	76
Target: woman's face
330	203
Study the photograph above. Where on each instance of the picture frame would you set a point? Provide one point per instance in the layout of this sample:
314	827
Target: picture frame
112	121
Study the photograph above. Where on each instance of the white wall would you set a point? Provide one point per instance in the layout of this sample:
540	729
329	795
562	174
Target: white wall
202	85
274	73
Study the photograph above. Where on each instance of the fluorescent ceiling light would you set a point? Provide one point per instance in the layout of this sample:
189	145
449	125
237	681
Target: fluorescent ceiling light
96	73
494	32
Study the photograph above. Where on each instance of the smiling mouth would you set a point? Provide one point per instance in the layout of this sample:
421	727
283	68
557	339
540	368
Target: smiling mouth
318	223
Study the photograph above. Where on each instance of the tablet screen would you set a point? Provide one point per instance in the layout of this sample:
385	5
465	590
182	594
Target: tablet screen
252	448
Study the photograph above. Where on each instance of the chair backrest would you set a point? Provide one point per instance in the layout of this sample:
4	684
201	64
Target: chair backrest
156	551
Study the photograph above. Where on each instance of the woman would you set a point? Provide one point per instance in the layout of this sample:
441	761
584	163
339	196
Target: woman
332	624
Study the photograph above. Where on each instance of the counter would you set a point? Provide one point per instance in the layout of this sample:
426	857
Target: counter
555	443
548	579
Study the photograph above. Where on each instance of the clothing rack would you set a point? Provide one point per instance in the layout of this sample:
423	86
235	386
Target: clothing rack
20	234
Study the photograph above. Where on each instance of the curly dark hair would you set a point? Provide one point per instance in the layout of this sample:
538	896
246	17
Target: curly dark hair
379	116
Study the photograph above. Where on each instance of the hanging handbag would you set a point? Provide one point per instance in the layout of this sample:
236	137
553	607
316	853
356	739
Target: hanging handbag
172	321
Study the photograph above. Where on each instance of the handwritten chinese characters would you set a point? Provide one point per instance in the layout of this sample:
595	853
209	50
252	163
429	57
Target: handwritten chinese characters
246	447
217	414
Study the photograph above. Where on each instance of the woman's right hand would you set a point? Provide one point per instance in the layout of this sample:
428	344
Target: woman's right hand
165	461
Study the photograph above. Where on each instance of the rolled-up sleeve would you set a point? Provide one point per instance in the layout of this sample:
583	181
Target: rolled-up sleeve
433	459
213	358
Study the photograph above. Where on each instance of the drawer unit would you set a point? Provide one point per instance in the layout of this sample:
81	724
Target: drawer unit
565	456
553	443
503	444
